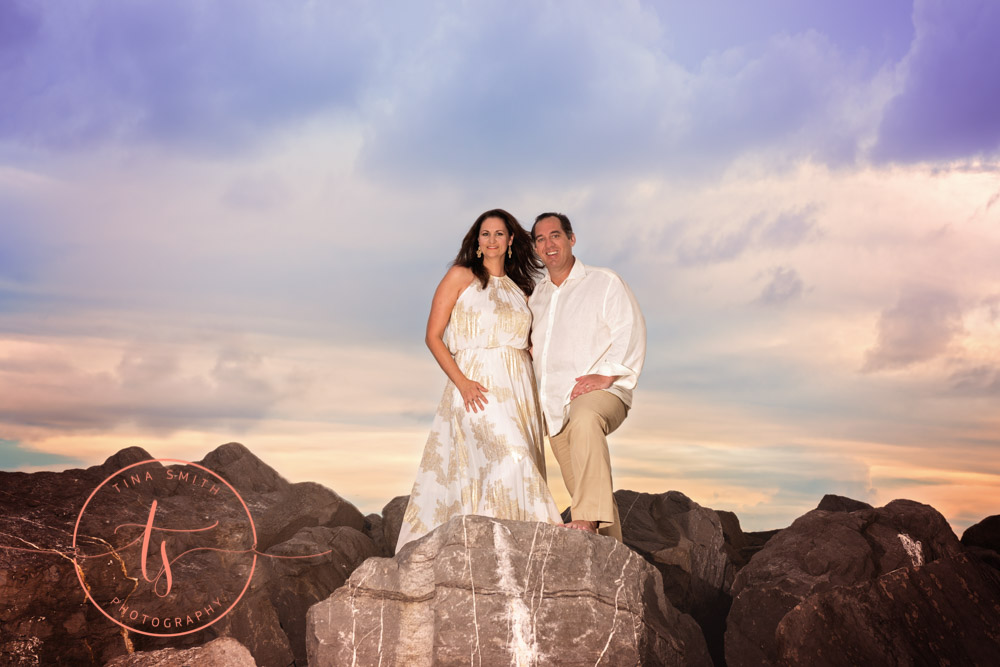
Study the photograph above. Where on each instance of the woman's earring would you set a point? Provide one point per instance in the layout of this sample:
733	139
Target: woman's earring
510	251
479	252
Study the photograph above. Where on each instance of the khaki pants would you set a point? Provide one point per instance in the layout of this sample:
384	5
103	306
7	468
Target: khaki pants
581	448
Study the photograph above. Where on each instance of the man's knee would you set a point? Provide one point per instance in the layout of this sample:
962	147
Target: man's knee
585	419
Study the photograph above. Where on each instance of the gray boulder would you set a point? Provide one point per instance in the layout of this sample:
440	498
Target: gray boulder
490	592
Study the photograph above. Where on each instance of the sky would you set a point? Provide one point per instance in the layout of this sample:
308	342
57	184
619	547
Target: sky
225	221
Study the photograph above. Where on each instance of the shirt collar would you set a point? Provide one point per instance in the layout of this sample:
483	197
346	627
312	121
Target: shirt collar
578	271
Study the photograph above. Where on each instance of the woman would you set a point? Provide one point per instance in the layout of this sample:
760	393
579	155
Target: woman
484	453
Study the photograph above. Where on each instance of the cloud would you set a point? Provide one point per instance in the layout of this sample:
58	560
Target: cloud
596	94
149	387
767	486
791	228
977	381
258	192
180	73
602	91
785	285
785	230
710	248
992	306
946	109
918	328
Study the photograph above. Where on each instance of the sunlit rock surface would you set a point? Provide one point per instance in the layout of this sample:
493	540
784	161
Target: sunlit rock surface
487	592
221	652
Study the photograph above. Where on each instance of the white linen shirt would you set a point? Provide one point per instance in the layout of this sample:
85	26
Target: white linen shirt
589	324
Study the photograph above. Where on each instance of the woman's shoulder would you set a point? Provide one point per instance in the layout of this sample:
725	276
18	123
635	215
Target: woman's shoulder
457	279
459	275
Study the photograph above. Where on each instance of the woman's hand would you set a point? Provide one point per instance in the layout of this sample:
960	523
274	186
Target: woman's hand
472	395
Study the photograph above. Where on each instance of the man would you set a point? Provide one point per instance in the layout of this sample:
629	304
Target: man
589	342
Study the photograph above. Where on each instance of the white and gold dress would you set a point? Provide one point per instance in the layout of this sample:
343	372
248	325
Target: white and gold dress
491	462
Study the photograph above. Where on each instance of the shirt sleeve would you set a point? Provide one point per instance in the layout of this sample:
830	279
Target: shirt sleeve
627	352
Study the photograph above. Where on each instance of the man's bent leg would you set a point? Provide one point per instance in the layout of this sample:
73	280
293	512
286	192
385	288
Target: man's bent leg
581	450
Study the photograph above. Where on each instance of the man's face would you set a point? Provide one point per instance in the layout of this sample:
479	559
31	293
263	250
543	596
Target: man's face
553	246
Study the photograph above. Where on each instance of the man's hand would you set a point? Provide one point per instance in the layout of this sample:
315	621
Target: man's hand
588	383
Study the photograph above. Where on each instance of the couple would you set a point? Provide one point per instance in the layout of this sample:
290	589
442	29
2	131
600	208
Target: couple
587	339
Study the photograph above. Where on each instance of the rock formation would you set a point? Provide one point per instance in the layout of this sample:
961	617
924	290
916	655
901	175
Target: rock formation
392	521
221	652
45	617
815	587
487	592
687	544
834	503
945	612
741	546
844	584
983	540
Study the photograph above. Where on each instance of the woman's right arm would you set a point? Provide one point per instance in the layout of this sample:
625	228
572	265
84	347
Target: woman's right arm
445	297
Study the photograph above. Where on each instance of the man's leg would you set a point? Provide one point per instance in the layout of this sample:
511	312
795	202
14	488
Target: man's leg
581	450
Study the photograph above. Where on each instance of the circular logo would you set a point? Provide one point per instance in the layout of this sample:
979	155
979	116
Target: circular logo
165	550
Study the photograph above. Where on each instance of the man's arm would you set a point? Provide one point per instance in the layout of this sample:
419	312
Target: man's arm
625	356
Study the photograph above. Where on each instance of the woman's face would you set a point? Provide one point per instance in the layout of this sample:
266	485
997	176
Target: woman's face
493	237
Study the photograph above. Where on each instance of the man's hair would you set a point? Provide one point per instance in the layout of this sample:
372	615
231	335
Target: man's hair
563	220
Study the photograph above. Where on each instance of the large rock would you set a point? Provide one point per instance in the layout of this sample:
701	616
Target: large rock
392	521
946	612
985	534
495	592
45	617
741	546
983	540
280	515
820	552
687	544
222	652
835	503
296	583
373	529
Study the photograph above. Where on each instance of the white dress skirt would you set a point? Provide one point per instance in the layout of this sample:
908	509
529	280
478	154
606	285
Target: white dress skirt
491	462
